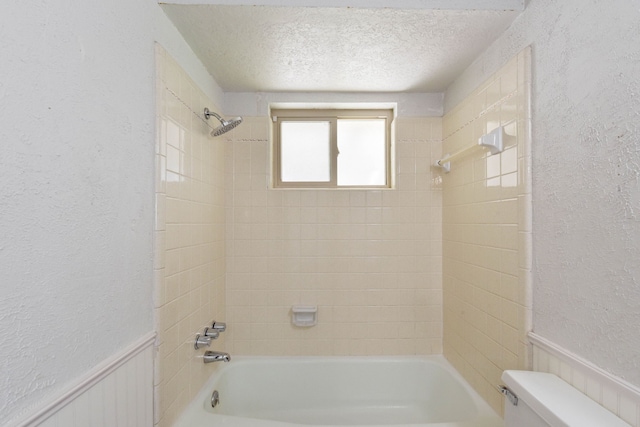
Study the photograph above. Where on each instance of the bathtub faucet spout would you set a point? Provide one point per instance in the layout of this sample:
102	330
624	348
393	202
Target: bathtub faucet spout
216	356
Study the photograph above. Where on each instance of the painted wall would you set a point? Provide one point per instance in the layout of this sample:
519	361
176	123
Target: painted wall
189	244
77	120
586	172
486	232
255	104
369	259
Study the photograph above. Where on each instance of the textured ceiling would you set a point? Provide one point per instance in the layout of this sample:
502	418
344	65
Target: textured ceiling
310	49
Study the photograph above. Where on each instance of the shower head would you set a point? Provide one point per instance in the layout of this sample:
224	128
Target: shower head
225	126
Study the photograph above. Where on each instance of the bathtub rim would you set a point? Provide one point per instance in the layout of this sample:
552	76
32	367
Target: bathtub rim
486	417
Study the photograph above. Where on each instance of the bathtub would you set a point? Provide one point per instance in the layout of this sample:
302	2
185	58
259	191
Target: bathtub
338	391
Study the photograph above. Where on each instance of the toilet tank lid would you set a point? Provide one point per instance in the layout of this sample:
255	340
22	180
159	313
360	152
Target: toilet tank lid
557	402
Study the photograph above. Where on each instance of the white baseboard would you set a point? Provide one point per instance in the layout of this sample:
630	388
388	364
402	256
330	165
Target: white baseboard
115	392
613	393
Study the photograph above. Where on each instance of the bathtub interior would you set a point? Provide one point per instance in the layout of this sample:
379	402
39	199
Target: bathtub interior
338	391
343	392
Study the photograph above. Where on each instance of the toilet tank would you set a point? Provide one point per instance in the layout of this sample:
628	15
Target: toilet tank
546	400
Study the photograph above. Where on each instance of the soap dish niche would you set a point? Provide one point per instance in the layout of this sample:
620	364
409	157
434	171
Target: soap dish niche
304	315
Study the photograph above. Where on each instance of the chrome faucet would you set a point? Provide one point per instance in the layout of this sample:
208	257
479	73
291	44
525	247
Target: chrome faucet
201	341
216	356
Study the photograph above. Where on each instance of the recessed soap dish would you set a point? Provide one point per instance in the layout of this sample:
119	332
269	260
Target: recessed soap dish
304	315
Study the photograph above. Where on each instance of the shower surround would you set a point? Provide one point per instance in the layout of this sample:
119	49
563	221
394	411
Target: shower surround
189	237
369	259
230	247
487	233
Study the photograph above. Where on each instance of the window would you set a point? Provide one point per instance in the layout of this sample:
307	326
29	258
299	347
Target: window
332	148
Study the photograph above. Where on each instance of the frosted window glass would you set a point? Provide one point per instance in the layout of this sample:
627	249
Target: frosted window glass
305	151
362	148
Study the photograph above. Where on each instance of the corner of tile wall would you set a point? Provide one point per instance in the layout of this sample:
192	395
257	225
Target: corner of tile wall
189	249
487	233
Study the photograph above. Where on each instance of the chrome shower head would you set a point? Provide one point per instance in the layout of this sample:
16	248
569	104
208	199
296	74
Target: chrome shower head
225	126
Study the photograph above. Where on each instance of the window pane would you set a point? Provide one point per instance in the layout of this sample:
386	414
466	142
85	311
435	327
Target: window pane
305	151
362	148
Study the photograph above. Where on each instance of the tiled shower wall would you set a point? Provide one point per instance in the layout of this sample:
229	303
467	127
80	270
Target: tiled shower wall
189	238
487	233
369	259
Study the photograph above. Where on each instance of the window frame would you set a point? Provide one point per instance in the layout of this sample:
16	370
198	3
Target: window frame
332	116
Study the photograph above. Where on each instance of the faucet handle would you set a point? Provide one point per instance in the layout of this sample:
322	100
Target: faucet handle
211	333
219	326
201	341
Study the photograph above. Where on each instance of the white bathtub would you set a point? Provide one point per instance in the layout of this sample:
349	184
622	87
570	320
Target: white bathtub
338	391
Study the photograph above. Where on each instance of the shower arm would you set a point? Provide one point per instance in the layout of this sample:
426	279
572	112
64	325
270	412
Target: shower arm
208	113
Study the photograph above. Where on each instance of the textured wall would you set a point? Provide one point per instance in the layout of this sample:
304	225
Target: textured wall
189	243
486	232
369	259
586	172
76	216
